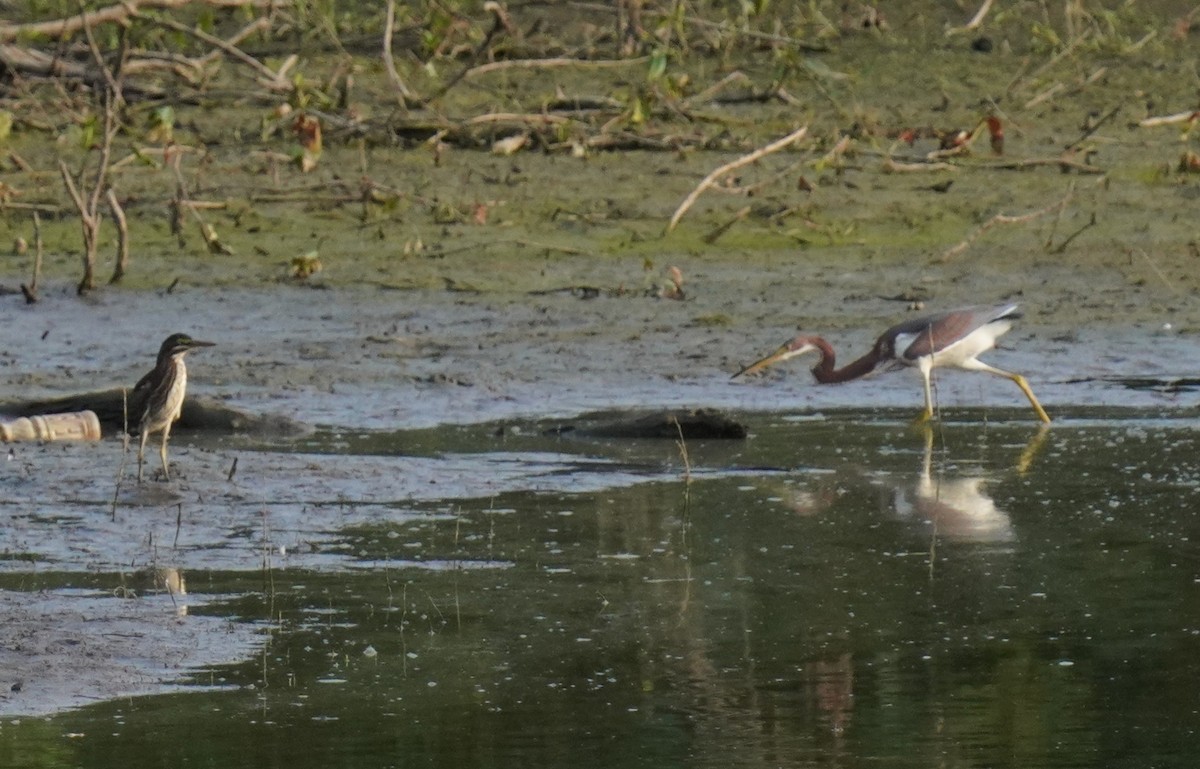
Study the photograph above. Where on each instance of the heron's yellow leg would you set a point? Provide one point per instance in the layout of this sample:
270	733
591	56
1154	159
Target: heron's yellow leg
926	367
142	452
1033	401
162	452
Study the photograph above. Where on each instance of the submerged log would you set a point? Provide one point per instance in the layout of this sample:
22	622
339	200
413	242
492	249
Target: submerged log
698	424
198	413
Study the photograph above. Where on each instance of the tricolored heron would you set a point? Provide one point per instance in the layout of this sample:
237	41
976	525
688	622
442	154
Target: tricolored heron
157	398
953	339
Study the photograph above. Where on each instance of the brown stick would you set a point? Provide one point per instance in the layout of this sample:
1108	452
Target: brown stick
711	179
403	95
975	22
500	66
31	291
274	80
121	12
118	214
91	227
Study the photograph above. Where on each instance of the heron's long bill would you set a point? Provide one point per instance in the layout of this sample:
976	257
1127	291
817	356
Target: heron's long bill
783	352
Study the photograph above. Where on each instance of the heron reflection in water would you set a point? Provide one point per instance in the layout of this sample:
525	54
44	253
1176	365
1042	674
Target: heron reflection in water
950	504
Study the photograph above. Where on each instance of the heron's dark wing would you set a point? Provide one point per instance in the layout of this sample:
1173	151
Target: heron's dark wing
138	397
919	337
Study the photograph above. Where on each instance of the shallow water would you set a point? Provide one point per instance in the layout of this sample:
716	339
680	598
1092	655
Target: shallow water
829	591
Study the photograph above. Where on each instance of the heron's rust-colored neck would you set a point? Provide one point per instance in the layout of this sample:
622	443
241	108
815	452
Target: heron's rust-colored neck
825	373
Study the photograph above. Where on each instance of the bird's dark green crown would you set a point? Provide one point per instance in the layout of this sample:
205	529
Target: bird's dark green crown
177	344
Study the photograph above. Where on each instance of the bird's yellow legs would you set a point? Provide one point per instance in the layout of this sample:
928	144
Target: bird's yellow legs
142	452
1033	401
926	366
162	452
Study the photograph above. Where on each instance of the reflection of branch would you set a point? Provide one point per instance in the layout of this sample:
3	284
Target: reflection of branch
1005	219
744	160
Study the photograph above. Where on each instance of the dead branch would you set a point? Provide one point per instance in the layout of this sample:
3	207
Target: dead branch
272	79
1160	120
31	291
975	22
110	82
1006	219
500	21
1094	127
500	66
892	166
91	228
402	93
209	233
119	13
118	214
711	179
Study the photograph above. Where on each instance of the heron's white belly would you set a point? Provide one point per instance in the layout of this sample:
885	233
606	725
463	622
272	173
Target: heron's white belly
174	404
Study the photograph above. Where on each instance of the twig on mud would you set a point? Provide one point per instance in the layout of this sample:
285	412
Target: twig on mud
707	94
1159	273
500	21
1065	163
711	179
721	229
957	250
1060	89
499	66
1160	120
1094	127
403	95
975	22
1062	247
892	166
207	231
516	117
274	80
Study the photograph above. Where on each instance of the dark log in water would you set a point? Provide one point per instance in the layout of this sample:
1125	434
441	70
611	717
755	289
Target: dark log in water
700	424
198	413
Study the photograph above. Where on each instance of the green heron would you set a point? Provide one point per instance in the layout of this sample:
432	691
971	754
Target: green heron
952	339
158	397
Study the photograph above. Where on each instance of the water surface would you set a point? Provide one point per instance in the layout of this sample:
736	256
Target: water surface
833	591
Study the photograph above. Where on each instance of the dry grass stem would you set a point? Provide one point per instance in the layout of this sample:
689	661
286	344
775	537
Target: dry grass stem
272	79
976	21
525	64
998	219
403	95
1178	117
